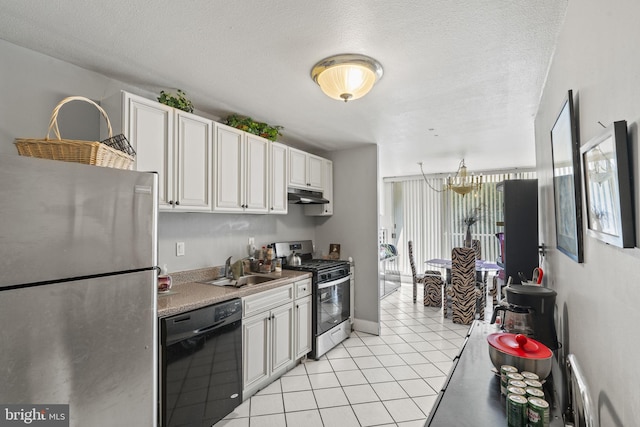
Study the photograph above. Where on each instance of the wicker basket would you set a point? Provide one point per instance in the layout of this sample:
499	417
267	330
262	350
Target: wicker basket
70	150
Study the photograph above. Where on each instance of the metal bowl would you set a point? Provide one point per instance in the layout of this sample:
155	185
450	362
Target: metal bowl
538	365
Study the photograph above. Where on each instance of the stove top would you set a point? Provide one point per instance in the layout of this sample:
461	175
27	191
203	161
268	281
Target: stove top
317	264
305	249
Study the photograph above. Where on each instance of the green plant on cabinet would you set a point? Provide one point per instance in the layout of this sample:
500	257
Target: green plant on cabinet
249	125
179	101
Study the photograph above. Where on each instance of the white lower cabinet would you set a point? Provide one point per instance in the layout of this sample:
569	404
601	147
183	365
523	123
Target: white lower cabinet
267	337
302	321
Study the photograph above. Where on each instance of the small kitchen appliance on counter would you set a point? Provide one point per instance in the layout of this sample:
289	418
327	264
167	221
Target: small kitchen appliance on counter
529	311
330	292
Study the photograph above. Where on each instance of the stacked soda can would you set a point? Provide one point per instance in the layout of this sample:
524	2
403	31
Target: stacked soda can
504	380
525	404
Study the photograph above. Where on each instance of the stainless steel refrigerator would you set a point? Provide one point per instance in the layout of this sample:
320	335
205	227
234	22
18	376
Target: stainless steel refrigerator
78	303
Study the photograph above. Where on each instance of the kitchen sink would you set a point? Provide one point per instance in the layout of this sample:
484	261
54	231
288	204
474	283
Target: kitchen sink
242	281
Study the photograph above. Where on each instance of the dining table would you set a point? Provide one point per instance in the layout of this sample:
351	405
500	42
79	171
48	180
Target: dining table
481	265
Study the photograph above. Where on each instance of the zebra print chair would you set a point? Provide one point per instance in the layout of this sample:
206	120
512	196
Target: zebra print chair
463	285
417	278
433	285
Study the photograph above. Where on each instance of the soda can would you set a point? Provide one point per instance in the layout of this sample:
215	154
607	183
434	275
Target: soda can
530	375
504	382
511	376
538	412
516	390
533	383
514	376
534	392
516	410
517	383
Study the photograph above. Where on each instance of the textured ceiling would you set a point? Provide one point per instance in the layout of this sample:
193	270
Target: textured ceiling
461	78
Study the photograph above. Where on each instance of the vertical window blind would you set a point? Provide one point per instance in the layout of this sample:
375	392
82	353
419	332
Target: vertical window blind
433	218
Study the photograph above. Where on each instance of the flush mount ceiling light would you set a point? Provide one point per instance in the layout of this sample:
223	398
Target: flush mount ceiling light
346	77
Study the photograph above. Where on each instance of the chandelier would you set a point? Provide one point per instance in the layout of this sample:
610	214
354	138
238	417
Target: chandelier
461	183
346	77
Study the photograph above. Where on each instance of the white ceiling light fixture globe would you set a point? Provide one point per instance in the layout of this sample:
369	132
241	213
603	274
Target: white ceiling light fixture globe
346	77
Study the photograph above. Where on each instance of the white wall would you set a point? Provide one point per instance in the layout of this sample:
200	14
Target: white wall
32	84
598	56
211	238
354	225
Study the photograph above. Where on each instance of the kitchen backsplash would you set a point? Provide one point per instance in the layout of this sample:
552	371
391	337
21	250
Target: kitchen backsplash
209	239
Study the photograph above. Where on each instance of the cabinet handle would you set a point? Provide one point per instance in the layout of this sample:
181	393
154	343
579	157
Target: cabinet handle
297	306
177	202
171	202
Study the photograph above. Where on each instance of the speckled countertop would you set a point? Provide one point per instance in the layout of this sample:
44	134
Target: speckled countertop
188	293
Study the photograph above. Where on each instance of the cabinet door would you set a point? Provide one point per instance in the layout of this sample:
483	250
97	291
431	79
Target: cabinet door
194	159
297	168
314	172
149	128
303	326
229	169
278	181
256	359
256	195
327	193
282	337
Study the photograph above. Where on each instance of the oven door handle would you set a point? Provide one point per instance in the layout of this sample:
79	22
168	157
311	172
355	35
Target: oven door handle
333	282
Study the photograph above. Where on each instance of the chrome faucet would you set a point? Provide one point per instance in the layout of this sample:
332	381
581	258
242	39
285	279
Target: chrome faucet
227	269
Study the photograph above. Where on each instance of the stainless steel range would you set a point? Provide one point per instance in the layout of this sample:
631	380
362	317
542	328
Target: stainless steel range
330	290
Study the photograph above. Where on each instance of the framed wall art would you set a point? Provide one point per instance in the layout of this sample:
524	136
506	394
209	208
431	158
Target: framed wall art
607	184
565	149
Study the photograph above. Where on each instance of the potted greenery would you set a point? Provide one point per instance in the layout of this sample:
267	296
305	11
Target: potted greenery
179	101
469	220
249	125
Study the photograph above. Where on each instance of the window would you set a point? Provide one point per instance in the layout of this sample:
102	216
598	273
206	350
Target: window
433	219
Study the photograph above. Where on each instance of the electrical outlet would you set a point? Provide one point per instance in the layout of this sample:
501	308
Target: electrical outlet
180	249
252	241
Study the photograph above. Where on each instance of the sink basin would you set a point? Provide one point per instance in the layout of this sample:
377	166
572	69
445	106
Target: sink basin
242	281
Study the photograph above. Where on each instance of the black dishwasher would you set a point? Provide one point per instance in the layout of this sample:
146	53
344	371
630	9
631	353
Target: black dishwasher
200	379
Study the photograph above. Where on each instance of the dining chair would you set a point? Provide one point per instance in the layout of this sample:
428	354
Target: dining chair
432	281
433	287
481	280
417	278
463	285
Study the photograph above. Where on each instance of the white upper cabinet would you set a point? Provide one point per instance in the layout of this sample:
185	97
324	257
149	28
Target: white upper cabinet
279	203
315	172
327	192
194	162
175	144
207	166
305	170
241	173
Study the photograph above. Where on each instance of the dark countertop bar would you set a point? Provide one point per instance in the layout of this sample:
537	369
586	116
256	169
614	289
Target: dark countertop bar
471	394
188	293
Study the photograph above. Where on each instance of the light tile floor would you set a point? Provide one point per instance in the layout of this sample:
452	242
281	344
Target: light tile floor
387	380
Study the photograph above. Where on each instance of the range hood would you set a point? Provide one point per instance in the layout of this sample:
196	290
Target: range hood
305	197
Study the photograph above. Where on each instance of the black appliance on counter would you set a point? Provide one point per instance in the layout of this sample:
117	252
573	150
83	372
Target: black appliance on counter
535	305
201	365
330	292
